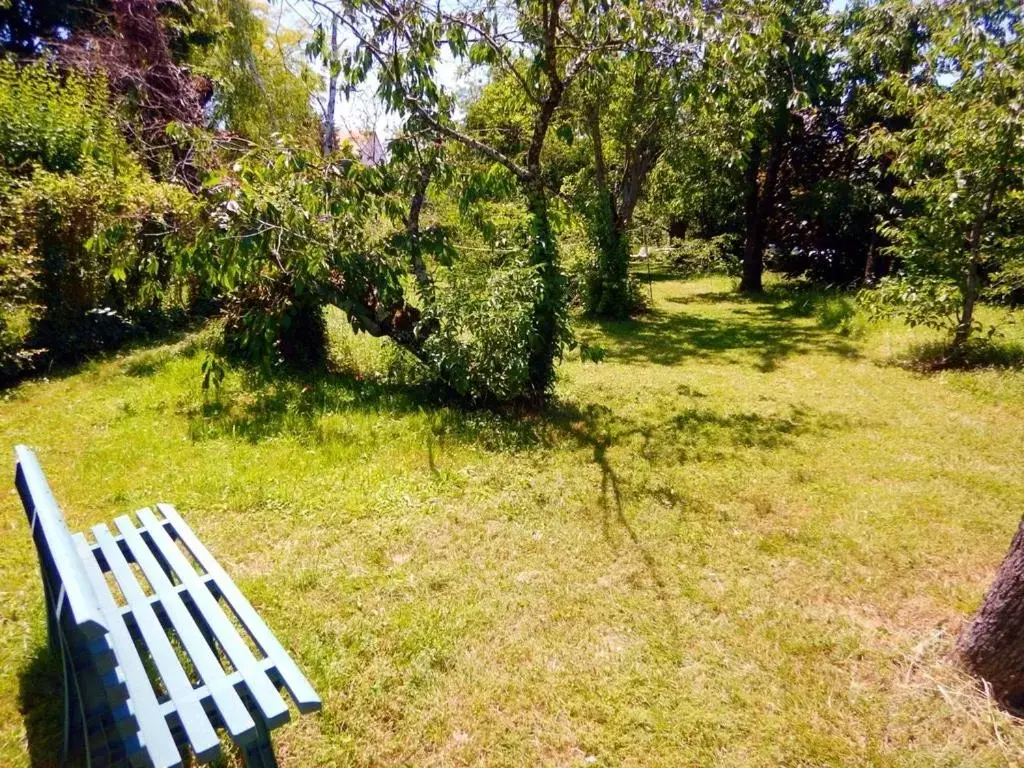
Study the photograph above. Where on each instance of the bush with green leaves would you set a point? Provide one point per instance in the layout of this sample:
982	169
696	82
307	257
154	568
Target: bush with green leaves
55	122
82	251
923	300
707	256
482	341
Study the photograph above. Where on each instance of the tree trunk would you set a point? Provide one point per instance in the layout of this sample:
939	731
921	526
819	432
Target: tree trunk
412	232
869	262
752	264
548	302
609	294
992	644
329	141
972	283
760	202
971	289
608	289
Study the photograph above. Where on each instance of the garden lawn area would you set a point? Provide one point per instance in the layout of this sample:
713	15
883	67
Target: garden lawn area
749	536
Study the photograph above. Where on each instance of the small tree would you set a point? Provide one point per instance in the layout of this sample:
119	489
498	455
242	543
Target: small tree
962	161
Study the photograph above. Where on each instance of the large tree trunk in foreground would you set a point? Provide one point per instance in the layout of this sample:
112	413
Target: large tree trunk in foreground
992	644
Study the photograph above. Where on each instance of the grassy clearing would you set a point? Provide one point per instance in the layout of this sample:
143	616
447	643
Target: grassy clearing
748	537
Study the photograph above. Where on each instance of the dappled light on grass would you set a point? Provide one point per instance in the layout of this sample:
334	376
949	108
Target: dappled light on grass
690	558
748	331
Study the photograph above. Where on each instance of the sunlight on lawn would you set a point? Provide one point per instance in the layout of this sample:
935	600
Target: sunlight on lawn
749	536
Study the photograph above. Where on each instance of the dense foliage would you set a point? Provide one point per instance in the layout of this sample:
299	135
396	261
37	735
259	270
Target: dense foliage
157	156
83	257
961	160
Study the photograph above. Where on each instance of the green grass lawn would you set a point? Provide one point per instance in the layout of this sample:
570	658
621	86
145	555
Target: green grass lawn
747	537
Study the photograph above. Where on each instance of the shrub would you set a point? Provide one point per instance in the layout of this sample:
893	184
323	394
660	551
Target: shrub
485	325
932	302
715	255
583	279
55	123
83	260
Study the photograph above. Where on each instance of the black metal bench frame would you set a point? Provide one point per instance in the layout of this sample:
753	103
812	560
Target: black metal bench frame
178	656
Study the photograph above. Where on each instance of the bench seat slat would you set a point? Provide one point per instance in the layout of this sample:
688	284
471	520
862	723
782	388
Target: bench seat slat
156	739
237	719
262	690
154	599
200	732
297	684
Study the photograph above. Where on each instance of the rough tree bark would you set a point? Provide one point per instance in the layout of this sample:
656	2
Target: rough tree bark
992	644
760	201
751	280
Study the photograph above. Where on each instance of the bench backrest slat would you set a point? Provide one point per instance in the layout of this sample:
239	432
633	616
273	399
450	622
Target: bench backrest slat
61	566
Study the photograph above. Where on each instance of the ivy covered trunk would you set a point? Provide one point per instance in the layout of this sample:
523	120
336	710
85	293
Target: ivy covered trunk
992	644
609	290
548	304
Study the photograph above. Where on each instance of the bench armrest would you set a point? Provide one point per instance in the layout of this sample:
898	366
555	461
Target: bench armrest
61	565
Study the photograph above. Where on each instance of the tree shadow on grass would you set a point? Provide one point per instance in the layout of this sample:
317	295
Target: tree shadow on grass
141	362
764	325
295	403
695	434
684	432
669	338
41	701
152	361
658	274
934	356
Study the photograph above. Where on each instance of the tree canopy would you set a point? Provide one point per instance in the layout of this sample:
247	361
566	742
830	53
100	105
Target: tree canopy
878	140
